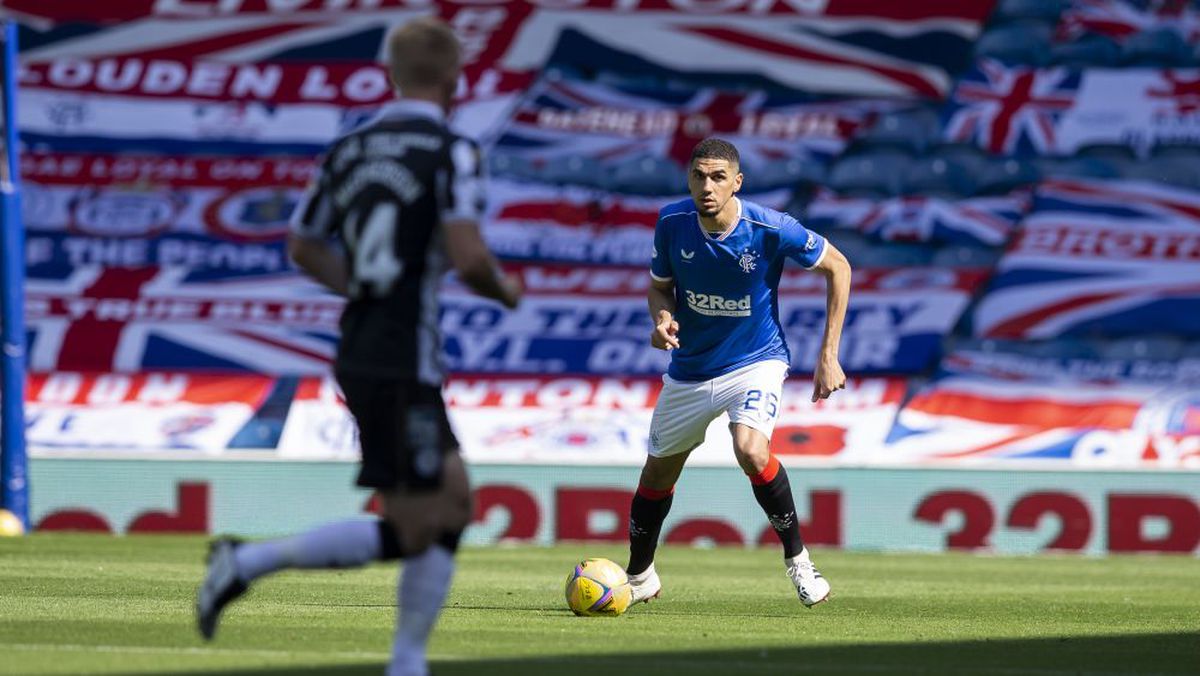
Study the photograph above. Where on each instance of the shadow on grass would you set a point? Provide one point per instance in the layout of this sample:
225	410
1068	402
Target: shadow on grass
1144	654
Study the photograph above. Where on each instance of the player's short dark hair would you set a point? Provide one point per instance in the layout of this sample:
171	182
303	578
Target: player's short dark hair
713	148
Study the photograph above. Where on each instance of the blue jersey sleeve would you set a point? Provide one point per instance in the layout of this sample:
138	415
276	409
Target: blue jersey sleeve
660	261
799	243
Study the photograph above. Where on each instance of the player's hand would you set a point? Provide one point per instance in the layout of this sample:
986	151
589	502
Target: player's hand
513	288
827	378
664	336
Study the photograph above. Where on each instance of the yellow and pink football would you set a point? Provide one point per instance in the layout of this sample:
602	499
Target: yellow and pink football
598	587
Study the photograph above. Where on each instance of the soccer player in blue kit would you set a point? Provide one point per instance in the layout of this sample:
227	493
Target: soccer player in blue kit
714	300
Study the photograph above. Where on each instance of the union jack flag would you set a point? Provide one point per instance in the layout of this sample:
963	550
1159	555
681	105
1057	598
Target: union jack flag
852	48
1011	110
1117	200
1067	278
977	220
972	419
93	318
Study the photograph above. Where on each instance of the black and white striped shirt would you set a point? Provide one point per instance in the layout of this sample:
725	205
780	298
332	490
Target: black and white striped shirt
385	190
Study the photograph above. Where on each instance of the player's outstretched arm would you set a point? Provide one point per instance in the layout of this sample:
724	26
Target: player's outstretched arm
477	267
828	376
320	259
661	298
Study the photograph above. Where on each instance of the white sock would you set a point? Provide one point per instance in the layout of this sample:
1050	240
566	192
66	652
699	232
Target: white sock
335	545
423	586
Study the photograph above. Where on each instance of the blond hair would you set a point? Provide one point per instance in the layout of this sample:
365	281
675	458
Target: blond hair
423	53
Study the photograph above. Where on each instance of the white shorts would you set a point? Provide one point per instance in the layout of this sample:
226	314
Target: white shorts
750	395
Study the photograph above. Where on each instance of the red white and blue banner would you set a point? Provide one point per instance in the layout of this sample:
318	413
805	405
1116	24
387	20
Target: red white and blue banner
1031	418
1005	362
562	119
1100	257
1065	276
1056	111
1116	201
828	46
144	413
987	221
598	420
594	321
574	320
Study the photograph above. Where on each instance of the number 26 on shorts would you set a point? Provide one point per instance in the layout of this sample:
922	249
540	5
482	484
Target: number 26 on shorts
756	402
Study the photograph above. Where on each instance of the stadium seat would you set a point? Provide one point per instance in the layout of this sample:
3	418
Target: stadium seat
1089	51
938	177
1175	171
647	175
1191	350
1039	10
1186	151
1018	43
870	175
1143	347
911	130
852	243
574	170
1156	48
790	173
968	155
966	256
1001	177
1079	167
896	255
1059	348
1112	152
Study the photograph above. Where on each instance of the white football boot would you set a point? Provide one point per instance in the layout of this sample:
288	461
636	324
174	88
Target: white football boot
811	586
645	586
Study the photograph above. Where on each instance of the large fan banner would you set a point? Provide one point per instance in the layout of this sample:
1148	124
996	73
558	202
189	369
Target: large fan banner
1064	277
595	420
1056	111
987	221
1109	257
147	413
563	119
974	419
833	46
1117	201
574	320
595	322
1007	363
231	199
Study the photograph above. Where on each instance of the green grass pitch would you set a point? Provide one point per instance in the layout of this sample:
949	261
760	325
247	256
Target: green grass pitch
99	604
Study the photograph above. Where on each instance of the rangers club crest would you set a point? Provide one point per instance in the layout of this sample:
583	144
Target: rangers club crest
747	262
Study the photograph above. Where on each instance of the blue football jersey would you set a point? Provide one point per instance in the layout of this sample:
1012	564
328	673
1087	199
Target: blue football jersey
727	285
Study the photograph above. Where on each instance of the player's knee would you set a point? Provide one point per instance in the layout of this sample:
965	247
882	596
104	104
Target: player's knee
415	526
655	476
752	457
